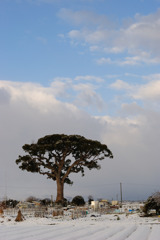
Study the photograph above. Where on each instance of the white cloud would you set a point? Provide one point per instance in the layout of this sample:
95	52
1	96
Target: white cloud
81	91
139	40
150	91
94	48
83	17
61	35
104	61
142	34
60	86
152	77
121	85
134	142
89	78
42	1
132	109
114	50
33	94
127	127
42	40
142	58
88	97
4	96
73	91
75	34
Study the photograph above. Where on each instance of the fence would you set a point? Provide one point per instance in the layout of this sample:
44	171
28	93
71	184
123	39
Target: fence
73	213
79	213
29	212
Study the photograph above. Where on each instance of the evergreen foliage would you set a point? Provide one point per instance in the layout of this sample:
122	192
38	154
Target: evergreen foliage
78	201
59	155
90	199
153	202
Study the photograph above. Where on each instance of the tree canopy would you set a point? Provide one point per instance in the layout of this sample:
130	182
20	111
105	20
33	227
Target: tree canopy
78	201
153	202
59	155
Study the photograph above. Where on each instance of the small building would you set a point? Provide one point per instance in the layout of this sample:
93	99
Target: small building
28	205
115	203
95	205
103	203
36	203
131	207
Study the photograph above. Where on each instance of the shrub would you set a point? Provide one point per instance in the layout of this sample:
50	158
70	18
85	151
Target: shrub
78	201
153	202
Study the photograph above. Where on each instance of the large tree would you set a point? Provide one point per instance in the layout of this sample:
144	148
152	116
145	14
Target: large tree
58	155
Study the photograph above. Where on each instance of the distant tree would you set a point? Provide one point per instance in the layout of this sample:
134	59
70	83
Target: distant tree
31	199
45	201
78	201
99	199
59	155
65	202
90	199
11	203
153	202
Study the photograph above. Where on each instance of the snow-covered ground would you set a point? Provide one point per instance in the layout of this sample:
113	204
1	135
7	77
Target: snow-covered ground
96	227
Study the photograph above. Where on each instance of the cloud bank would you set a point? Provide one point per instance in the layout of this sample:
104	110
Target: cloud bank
30	111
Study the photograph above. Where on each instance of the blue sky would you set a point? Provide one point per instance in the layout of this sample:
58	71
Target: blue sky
88	67
38	42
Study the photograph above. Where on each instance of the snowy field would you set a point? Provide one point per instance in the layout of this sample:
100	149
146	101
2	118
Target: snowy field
96	227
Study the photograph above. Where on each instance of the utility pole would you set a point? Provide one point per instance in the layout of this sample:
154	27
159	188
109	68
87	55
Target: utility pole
52	200
121	193
5	197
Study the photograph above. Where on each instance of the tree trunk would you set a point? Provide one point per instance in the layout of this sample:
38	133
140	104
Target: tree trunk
60	187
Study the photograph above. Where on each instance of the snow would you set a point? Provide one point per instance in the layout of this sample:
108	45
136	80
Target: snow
98	227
